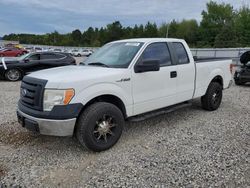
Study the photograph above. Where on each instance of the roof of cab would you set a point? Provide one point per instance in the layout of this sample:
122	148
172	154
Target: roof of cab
149	40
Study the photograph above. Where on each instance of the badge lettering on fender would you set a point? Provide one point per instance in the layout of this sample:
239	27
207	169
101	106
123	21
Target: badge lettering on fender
123	80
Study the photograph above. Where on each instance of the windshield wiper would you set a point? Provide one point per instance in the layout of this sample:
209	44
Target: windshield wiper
98	64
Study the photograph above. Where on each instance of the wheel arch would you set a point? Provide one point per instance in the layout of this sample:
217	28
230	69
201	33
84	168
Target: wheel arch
218	79
109	98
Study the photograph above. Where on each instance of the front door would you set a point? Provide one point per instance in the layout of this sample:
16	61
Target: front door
155	90
31	63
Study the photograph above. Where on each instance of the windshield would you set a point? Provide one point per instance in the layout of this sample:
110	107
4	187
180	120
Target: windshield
23	56
115	55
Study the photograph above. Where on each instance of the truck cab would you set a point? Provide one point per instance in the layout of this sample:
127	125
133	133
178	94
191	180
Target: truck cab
124	80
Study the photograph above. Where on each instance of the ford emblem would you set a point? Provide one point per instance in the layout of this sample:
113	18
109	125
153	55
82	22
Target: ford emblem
23	92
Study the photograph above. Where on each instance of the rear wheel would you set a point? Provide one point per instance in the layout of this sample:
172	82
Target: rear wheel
100	126
13	75
213	97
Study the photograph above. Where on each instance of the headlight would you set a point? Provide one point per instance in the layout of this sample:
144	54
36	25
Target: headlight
54	97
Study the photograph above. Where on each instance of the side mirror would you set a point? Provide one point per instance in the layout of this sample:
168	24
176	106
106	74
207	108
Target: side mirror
147	66
26	60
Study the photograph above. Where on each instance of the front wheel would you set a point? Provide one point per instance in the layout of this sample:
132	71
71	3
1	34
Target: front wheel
213	97
13	75
100	126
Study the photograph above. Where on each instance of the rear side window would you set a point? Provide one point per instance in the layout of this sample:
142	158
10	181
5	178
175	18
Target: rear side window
60	56
34	57
181	53
157	51
49	56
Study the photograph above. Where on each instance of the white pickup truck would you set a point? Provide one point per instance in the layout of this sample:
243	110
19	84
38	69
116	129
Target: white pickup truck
124	80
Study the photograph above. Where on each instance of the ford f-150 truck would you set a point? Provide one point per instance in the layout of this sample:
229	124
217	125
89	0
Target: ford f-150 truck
124	80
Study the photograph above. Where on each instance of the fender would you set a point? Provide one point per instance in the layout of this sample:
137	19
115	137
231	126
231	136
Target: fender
200	91
99	89
213	74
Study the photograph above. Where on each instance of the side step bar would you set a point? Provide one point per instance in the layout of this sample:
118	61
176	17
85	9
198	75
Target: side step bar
148	115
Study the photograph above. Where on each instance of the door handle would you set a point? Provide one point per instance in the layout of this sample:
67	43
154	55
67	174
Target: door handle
173	74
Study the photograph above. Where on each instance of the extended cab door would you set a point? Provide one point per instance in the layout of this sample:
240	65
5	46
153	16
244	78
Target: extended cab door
185	71
154	90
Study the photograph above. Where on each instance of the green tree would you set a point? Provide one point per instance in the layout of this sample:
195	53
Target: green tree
173	28
88	36
213	20
114	31
226	38
163	30
76	36
242	26
151	30
188	30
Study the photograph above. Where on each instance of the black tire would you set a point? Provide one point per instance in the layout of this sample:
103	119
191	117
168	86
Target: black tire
213	97
237	82
236	79
90	128
13	75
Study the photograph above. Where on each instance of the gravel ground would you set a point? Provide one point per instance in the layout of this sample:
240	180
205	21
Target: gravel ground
187	148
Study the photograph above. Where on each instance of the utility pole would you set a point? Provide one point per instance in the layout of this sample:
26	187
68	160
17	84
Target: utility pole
167	30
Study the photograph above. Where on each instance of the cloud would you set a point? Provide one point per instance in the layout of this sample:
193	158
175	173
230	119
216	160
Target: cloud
40	16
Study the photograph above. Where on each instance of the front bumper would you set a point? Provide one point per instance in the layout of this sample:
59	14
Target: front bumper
47	126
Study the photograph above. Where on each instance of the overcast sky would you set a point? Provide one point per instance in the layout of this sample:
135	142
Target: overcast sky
43	16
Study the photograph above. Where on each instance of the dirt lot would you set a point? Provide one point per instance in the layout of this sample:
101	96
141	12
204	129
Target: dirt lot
186	148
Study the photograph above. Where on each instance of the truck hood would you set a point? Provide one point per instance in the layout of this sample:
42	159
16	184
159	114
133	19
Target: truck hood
73	74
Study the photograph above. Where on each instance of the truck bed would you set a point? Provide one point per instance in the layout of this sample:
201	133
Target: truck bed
208	59
208	68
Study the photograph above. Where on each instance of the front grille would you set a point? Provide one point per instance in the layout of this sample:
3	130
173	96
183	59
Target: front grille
31	93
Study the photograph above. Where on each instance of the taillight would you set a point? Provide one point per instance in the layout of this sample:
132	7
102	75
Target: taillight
231	68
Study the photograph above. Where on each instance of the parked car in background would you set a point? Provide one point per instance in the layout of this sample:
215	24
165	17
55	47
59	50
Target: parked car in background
75	53
79	53
29	49
12	52
14	69
87	52
57	50
38	49
66	51
242	75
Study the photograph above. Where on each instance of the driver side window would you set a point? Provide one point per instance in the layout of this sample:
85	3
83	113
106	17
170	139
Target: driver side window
157	51
34	57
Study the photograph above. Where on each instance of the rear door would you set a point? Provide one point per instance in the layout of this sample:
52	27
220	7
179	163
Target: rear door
50	60
185	72
155	90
